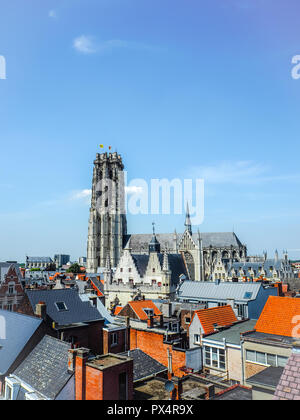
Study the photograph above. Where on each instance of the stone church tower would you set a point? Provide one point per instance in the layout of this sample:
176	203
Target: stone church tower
107	223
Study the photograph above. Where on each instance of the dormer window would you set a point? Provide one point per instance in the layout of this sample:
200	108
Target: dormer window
148	311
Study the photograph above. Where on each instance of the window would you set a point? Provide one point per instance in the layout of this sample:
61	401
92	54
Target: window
129	269
9	306
61	306
187	320
148	311
114	339
11	289
196	338
266	359
121	270
153	270
214	357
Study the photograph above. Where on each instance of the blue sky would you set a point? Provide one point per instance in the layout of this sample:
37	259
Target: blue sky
182	89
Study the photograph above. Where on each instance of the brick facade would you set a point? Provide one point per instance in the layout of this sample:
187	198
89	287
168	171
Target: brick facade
11	290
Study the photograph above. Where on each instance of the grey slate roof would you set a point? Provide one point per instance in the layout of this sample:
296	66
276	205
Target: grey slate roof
4	267
143	365
269	377
46	367
176	265
218	292
140	242
18	329
85	297
77	310
38	259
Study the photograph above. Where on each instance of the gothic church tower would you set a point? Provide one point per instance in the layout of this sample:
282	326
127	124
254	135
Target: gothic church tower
107	223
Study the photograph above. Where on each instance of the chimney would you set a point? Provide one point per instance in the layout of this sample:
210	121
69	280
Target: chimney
72	360
176	394
210	392
80	373
93	300
167	309
161	320
41	310
150	321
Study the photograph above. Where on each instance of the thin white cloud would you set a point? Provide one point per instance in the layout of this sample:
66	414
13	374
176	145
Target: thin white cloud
81	194
241	172
90	45
85	44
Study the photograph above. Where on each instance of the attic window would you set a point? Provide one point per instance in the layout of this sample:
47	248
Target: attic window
248	295
148	311
61	306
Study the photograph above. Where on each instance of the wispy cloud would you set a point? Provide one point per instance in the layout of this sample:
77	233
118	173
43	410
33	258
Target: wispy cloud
241	172
52	14
87	44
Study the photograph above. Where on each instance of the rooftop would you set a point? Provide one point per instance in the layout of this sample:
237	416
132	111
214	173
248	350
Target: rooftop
278	316
220	316
232	334
144	366
108	360
269	377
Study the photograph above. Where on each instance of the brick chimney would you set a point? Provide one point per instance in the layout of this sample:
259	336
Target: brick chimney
150	321
177	391
41	310
80	373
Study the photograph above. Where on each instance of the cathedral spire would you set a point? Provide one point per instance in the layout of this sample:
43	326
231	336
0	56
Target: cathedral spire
188	223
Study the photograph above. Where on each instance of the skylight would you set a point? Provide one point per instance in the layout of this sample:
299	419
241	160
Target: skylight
61	306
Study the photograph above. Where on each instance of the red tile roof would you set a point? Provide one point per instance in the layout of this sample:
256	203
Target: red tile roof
223	316
118	309
139	305
280	316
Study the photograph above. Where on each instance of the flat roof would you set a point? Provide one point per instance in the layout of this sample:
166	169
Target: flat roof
232	334
108	360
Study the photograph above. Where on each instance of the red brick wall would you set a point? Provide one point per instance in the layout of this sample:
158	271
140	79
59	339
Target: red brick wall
119	347
94	384
11	277
152	344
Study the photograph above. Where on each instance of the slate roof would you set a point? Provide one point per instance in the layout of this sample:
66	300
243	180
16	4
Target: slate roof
277	316
268	377
46	367
196	290
18	329
39	259
4	267
140	242
85	297
77	310
222	316
144	366
288	387
176	265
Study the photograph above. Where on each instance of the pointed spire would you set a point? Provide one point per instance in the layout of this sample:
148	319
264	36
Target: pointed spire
154	245
188	223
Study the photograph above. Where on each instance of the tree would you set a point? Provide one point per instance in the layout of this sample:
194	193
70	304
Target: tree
74	268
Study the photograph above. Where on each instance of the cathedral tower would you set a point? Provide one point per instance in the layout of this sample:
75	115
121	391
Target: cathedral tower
107	223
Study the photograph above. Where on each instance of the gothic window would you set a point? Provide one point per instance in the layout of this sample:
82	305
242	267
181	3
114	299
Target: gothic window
153	270
189	260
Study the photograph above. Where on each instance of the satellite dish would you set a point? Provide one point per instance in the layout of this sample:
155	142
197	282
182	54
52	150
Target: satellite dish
169	386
